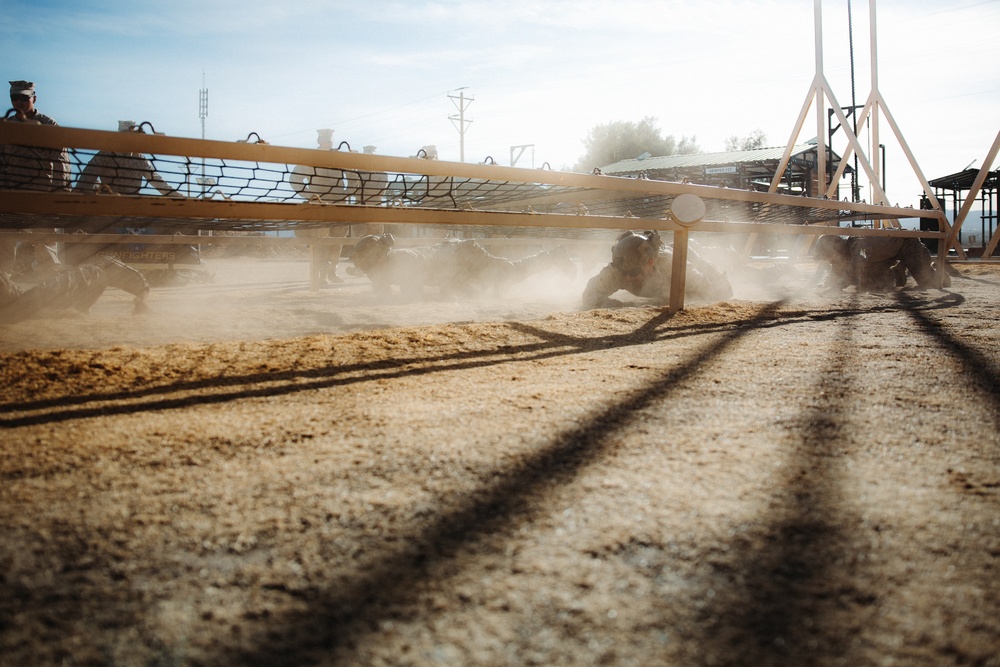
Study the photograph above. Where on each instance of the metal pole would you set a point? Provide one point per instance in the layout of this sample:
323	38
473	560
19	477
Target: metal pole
203	114
875	114
820	128
461	123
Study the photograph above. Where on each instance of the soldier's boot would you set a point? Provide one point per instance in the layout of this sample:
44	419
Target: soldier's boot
115	273
331	275
562	261
925	275
899	273
124	277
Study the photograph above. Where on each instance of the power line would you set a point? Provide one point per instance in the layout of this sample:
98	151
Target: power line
373	114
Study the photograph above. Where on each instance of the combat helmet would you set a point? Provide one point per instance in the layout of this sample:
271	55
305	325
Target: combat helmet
634	250
372	250
831	248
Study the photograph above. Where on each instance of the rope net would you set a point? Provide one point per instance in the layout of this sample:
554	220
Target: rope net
543	200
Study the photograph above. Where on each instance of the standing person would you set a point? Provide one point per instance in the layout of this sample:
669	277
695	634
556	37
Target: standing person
117	173
325	185
31	168
641	264
122	173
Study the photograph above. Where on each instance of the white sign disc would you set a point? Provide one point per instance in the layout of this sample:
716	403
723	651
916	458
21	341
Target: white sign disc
687	208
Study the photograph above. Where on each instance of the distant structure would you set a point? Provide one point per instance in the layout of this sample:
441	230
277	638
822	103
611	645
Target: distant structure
203	181
459	120
744	170
956	188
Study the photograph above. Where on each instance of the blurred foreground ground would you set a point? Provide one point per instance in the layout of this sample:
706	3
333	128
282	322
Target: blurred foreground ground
254	473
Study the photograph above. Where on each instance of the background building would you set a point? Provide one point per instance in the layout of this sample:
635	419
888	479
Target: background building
746	170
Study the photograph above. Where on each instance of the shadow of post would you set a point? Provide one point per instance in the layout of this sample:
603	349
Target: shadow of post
777	615
338	618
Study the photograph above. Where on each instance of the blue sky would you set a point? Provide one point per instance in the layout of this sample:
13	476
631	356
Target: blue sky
544	73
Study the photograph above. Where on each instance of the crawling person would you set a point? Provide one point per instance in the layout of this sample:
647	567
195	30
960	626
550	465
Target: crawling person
78	288
834	270
876	263
457	267
641	264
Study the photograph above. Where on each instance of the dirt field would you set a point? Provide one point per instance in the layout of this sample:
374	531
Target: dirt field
256	474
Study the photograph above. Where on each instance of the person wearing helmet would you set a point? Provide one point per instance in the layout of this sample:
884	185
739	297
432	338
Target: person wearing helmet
641	264
77	288
834	270
458	267
875	263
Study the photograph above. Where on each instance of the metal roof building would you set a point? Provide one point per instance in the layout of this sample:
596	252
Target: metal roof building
745	170
951	191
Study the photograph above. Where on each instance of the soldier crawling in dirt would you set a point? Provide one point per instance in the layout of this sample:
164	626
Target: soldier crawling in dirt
78	288
875	263
641	264
458	267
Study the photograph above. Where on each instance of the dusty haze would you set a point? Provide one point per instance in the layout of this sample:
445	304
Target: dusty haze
241	298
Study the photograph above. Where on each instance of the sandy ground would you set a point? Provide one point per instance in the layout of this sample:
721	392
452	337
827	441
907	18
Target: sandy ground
257	474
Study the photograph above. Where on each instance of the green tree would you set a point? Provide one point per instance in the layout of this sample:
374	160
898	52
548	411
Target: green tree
753	141
622	140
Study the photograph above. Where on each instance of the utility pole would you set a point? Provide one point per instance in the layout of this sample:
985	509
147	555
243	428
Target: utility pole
461	103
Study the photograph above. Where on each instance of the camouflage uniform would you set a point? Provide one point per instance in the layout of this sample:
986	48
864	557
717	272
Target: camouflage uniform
76	288
876	255
642	266
336	185
456	266
121	173
876	263
325	256
31	168
325	185
836	252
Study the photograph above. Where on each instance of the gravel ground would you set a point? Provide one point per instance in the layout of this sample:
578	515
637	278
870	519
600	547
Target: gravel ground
256	474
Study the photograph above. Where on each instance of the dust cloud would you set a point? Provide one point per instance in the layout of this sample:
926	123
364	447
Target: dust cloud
248	298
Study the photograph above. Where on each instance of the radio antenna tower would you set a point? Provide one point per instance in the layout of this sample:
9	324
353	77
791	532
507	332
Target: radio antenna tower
203	114
203	104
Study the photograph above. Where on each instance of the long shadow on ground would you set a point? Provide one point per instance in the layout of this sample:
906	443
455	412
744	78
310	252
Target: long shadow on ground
331	620
777	613
801	597
273	384
977	365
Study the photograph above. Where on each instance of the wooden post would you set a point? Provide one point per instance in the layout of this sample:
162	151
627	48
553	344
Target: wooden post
678	271
686	209
314	267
